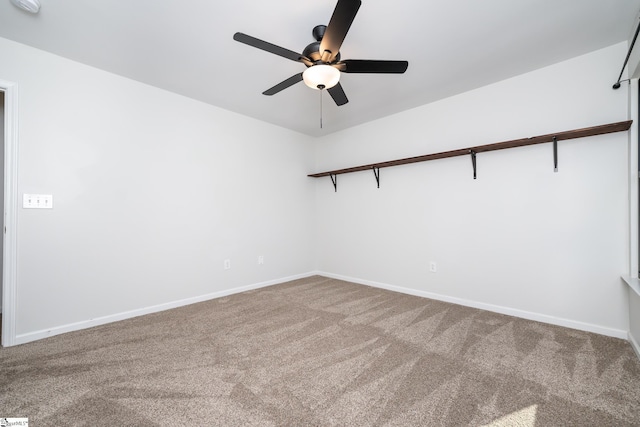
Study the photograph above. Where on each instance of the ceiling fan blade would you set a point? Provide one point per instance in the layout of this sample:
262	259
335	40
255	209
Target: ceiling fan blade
372	66
343	16
283	85
338	95
266	46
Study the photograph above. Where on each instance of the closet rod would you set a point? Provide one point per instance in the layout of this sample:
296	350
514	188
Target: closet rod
559	136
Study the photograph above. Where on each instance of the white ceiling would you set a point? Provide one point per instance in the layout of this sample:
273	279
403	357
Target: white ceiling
452	46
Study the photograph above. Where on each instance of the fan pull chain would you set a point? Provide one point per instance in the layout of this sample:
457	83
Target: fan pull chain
321	106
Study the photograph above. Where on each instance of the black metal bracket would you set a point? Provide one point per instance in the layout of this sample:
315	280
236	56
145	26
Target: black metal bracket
376	172
334	179
473	162
555	154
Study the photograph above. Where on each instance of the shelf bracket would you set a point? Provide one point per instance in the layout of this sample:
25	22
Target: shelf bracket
334	180
376	172
555	154
473	162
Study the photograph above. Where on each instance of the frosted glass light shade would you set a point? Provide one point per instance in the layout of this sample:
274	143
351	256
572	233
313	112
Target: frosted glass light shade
321	76
32	6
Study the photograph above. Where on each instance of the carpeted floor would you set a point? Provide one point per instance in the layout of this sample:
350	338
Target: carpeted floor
322	352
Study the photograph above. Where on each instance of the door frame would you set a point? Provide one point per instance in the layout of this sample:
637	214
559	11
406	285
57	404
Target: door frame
10	243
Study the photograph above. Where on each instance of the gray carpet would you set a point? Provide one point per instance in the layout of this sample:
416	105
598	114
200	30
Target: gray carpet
322	352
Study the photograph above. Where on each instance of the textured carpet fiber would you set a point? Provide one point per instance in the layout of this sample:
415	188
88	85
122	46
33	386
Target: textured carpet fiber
323	352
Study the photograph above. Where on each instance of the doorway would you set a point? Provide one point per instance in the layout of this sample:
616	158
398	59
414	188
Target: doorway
1	186
9	205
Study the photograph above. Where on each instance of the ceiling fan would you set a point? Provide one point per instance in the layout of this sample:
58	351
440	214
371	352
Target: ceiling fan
322	57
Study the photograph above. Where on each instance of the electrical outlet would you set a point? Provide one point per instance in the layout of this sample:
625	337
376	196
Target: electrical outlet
260	259
227	264
433	267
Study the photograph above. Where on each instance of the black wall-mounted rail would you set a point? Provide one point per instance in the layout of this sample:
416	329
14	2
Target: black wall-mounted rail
616	85
552	137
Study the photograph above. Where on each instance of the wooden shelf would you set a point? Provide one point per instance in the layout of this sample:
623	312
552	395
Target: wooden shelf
559	136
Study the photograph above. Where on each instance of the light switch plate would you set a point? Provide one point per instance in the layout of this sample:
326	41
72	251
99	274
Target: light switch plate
37	201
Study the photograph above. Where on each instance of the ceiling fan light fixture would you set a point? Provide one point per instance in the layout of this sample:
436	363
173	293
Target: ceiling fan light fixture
321	76
31	6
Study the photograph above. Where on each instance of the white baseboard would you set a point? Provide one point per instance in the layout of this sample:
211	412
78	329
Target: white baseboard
617	333
567	323
37	335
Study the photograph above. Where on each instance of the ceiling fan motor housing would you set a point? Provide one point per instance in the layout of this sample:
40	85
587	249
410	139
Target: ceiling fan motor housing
312	51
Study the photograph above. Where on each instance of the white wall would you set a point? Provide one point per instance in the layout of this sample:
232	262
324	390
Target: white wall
152	191
519	239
